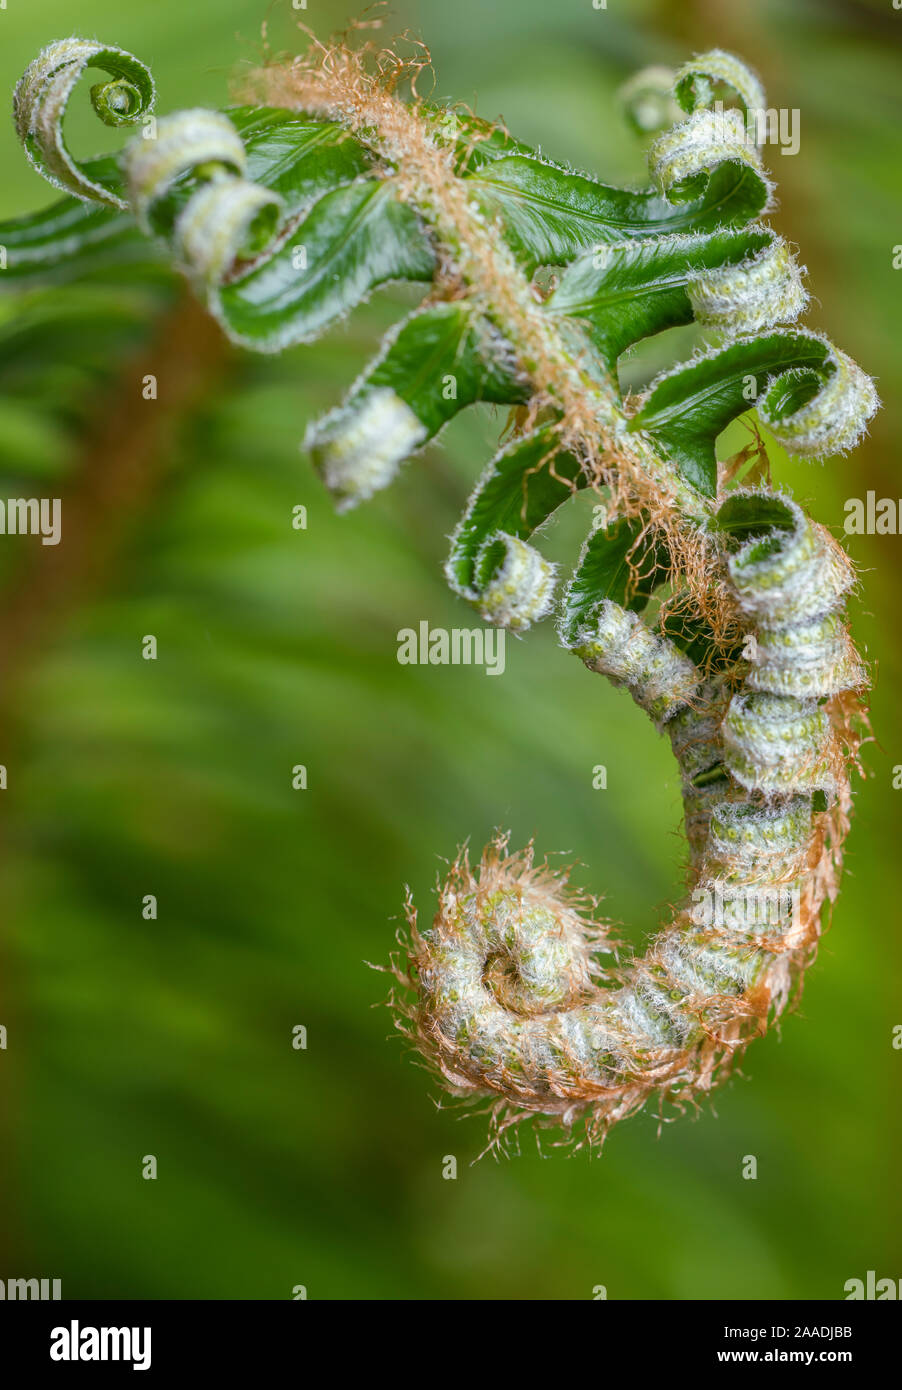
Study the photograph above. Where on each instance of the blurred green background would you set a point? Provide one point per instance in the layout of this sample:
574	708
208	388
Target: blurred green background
172	1037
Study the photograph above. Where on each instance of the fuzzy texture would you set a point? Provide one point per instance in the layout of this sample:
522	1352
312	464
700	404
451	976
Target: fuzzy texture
517	591
507	1005
334	82
357	452
660	678
835	417
505	1002
697	146
217	223
736	300
504	994
694	81
182	142
41	97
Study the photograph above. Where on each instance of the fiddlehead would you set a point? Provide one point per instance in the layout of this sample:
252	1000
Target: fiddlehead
286	214
39	104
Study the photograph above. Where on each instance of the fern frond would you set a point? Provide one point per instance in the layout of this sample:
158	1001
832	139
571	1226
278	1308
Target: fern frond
286	213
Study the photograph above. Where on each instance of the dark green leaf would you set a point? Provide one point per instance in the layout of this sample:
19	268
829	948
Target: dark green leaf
617	563
353	240
72	239
441	359
687	409
746	515
627	292
549	215
523	485
296	157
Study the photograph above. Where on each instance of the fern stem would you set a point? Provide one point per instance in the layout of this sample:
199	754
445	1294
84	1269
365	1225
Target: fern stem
472	253
507	1003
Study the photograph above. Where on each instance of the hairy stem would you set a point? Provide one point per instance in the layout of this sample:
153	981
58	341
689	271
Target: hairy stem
509	1001
473	254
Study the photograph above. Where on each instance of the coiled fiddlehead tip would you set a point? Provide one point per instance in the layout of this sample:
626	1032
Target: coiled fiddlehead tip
695	81
358	449
188	140
813	414
506	1004
648	100
229	219
779	745
768	840
41	97
511	946
761	291
785	567
682	158
685	155
514	583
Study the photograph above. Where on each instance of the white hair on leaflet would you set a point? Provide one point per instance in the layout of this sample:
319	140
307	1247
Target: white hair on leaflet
515	583
751	295
220	221
184	141
699	145
358	449
835	414
660	678
507	1001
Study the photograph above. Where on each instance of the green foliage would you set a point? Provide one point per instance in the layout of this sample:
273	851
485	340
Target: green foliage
449	344
617	563
282	245
688	408
355	238
524	484
549	215
625	292
214	547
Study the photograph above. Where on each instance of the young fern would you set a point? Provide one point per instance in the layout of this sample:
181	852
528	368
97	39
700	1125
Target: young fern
286	213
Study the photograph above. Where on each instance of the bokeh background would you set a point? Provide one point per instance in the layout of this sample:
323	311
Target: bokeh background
172	1037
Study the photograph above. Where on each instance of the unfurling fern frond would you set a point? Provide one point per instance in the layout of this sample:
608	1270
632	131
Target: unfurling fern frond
285	214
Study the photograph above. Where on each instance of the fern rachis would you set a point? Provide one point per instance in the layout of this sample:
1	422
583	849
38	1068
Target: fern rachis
286	213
